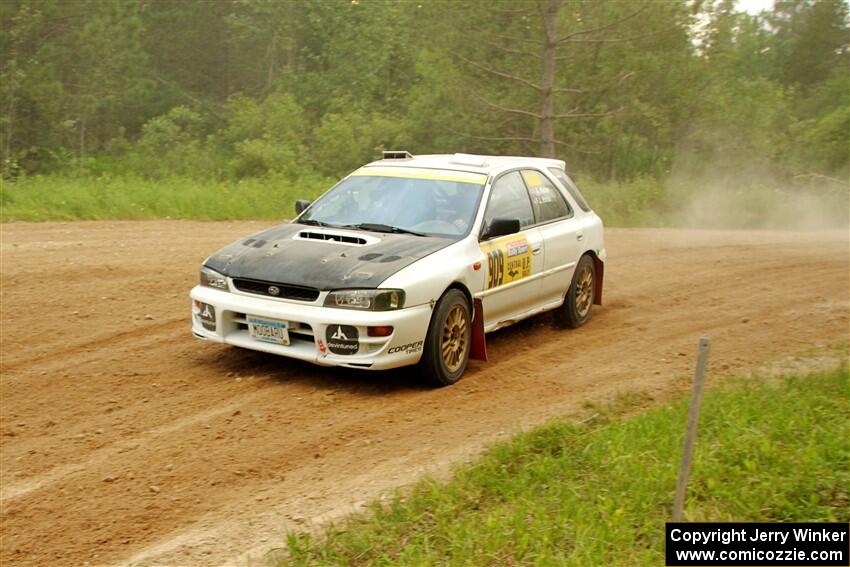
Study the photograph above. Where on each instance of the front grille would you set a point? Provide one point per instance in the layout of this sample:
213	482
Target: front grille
284	291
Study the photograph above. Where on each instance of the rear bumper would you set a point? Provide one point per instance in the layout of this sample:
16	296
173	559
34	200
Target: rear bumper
308	328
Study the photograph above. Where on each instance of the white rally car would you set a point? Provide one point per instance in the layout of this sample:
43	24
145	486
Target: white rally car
409	260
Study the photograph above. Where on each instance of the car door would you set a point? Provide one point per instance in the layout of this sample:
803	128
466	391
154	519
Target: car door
513	263
561	231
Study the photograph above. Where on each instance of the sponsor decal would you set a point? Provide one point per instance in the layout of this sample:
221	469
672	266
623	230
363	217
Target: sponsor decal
342	339
508	260
532	178
322	348
409	348
517	247
206	312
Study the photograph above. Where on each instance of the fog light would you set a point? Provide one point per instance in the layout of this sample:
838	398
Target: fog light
382	331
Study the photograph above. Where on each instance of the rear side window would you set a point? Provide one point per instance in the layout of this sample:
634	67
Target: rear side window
549	204
509	200
571	187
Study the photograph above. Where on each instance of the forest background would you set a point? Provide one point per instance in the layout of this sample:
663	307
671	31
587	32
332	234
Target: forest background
666	112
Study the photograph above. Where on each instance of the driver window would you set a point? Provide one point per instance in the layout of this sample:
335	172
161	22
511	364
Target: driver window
509	200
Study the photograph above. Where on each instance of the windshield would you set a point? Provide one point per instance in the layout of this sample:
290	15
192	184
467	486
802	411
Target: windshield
434	203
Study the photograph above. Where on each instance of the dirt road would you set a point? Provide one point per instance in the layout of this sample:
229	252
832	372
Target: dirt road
125	440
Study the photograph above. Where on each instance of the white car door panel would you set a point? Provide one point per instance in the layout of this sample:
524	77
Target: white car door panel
562	233
513	269
564	245
513	263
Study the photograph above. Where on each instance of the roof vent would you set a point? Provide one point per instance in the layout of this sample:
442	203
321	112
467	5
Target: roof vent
467	159
397	154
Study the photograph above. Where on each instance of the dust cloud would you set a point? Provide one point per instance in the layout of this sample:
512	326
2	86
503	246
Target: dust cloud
742	201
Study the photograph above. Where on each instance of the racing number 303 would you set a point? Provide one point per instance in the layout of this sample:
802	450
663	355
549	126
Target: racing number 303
495	268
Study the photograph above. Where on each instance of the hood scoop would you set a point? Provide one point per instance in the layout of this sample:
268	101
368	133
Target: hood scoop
331	236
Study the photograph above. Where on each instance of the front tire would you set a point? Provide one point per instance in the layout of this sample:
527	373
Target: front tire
579	300
448	341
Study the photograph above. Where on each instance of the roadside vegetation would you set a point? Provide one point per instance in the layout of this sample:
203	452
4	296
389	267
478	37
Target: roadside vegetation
641	202
54	197
599	492
227	109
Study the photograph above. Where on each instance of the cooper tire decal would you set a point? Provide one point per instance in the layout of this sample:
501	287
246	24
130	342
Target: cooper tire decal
409	348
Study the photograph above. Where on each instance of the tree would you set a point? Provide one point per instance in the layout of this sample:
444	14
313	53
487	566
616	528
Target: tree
73	72
812	38
544	33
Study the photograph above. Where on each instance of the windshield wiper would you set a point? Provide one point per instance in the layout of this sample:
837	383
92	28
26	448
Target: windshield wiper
378	227
313	222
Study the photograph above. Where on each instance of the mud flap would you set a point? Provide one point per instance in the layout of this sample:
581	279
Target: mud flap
599	268
478	350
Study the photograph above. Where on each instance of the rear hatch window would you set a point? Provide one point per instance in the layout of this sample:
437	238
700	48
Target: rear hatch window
565	180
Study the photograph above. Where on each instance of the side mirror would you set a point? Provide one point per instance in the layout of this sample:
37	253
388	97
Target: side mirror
500	227
300	205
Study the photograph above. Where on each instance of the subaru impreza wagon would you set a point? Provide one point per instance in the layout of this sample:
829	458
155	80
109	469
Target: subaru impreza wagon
409	260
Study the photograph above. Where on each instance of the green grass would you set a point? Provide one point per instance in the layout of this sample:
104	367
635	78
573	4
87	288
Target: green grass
55	197
107	194
599	493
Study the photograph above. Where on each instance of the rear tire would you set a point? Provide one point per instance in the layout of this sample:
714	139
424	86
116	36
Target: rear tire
579	299
448	341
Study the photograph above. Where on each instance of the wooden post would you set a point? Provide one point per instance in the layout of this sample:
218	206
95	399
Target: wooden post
691	432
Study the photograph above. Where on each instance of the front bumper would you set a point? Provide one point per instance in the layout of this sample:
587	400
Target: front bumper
308	327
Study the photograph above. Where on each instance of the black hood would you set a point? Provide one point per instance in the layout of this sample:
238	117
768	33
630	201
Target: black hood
309	260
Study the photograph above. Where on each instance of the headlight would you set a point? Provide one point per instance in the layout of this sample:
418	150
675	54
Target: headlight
211	278
366	299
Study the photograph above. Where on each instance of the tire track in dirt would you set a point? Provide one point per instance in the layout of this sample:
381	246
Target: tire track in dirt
151	447
103	455
102	342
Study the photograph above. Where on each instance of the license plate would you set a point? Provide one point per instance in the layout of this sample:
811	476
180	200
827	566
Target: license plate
269	330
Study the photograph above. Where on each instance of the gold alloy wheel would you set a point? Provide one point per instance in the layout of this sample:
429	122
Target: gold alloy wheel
454	341
584	291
